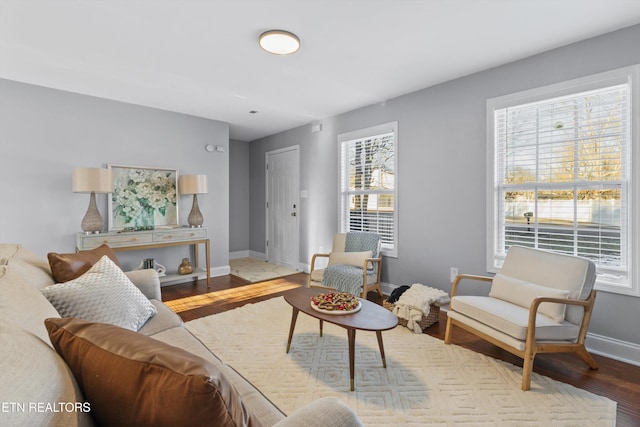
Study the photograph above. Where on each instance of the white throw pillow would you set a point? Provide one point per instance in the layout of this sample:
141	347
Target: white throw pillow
355	259
522	293
104	294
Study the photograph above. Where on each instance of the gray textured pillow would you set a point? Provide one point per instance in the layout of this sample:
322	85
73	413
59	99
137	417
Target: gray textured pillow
104	294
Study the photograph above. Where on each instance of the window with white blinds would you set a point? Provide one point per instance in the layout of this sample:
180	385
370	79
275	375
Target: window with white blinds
368	185
562	175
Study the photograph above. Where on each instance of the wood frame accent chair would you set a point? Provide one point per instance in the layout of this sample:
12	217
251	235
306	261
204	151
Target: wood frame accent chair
540	302
367	259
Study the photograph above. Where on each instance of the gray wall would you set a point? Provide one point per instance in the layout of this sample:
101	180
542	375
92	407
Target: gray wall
442	170
239	203
46	133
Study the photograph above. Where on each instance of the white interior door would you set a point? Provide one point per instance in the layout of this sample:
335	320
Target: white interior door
283	206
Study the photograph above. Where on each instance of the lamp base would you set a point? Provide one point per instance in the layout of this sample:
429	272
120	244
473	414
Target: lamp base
195	219
92	222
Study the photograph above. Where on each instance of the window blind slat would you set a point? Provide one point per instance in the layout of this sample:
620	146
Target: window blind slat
561	176
368	186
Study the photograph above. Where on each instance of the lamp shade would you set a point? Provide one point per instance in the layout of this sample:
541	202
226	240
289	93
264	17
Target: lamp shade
96	180
192	184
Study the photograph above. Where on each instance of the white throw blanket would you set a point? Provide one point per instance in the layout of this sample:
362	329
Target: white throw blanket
416	302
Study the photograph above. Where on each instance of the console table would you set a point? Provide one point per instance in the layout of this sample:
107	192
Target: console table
161	238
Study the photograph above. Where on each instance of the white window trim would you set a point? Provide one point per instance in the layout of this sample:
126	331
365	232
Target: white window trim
629	75
384	128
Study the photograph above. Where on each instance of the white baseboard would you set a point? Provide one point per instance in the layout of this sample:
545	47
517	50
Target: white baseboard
239	254
258	255
248	254
387	288
612	348
220	271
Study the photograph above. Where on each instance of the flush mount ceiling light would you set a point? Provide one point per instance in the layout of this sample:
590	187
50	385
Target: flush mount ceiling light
279	42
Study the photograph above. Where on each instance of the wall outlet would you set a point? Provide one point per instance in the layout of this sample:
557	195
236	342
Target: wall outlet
453	273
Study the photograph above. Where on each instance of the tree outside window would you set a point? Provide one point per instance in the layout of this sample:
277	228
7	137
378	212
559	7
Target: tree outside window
368	189
562	175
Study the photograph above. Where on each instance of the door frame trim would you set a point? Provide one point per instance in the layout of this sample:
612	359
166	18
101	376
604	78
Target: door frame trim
295	148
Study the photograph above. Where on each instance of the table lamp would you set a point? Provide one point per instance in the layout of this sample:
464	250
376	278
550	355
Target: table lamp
92	180
193	184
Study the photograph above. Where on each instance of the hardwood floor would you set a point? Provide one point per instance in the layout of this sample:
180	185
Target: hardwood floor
616	380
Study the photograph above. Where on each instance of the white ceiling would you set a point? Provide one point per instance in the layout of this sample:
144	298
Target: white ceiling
201	57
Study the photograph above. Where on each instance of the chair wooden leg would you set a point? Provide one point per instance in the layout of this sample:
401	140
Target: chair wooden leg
586	356
447	333
379	289
527	370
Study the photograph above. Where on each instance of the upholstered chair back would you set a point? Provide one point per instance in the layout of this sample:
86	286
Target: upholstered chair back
552	270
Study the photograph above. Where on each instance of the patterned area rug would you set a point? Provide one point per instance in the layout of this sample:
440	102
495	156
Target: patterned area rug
255	270
426	383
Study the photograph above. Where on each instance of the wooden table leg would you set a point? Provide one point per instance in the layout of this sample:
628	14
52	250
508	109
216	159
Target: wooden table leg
294	317
208	261
384	360
321	323
351	336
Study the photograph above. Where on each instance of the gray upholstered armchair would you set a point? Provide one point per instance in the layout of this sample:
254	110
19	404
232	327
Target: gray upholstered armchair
354	264
540	302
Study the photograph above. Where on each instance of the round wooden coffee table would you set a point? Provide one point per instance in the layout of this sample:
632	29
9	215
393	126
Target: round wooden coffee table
371	317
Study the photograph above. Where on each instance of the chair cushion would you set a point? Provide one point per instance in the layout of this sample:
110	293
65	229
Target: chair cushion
339	242
134	380
65	267
103	294
355	259
523	293
317	275
512	319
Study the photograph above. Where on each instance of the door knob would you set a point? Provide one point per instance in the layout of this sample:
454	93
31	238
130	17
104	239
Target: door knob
293	214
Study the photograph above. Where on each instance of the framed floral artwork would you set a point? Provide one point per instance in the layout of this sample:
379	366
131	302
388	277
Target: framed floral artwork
143	198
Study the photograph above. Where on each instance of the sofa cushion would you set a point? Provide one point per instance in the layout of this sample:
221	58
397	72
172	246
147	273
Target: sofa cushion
258	405
147	281
355	259
522	293
7	251
10	251
164	319
36	271
134	380
21	302
35	376
65	267
102	294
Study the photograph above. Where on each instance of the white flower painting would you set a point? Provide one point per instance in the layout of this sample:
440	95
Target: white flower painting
143	198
